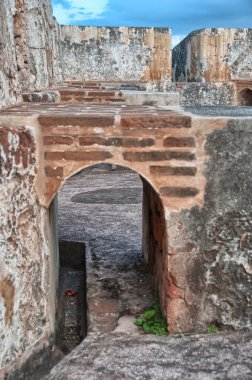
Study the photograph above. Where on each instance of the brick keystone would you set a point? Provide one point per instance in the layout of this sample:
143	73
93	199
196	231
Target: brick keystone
78	156
158	156
179	192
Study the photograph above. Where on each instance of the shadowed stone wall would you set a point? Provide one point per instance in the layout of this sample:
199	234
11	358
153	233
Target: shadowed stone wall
154	241
116	53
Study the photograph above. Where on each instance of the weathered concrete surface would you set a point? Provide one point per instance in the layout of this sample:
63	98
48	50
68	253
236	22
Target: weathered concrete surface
208	94
151	98
116	53
210	55
146	357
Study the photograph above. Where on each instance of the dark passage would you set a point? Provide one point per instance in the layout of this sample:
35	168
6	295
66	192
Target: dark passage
245	97
72	311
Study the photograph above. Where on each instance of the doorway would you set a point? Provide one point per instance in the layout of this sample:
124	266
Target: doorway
115	218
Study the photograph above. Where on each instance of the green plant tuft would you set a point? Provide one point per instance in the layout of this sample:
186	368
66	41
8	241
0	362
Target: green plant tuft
212	329
152	321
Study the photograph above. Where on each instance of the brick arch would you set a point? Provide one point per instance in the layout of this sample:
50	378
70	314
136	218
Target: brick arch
245	97
158	144
54	182
155	239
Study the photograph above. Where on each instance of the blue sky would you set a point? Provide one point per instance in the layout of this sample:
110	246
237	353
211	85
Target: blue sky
183	16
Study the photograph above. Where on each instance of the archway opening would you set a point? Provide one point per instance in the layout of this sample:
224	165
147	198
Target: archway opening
112	244
245	97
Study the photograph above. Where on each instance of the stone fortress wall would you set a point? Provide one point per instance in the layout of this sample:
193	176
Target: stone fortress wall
212	63
116	53
214	55
36	53
209	241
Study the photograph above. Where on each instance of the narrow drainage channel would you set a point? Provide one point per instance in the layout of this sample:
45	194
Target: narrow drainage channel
72	309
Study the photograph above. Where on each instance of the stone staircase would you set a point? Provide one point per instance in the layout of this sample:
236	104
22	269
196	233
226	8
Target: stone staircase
91	92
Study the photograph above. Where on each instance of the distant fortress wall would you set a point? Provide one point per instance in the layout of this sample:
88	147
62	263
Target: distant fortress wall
210	55
116	53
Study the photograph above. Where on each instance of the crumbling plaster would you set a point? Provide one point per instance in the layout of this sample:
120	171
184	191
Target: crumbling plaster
27	296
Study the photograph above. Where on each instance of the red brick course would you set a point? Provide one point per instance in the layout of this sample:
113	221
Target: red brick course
78	156
158	156
58	140
73	120
178	191
179	142
173	170
156	122
54	172
117	141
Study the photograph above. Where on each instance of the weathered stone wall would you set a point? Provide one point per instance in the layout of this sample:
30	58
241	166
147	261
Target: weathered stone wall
116	53
29	48
210	246
214	55
208	94
9	91
199	166
42	33
27	304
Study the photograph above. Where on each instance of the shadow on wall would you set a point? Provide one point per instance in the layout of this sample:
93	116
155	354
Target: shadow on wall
245	97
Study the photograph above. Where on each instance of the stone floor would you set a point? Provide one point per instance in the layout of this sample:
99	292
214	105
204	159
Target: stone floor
103	208
120	356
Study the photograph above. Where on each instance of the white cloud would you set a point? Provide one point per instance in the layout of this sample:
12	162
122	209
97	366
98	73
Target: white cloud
176	39
79	10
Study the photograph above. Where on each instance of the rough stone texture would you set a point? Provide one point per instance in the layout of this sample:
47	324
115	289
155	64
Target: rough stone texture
117	356
210	55
199	165
29	48
210	94
116	53
210	247
24	254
